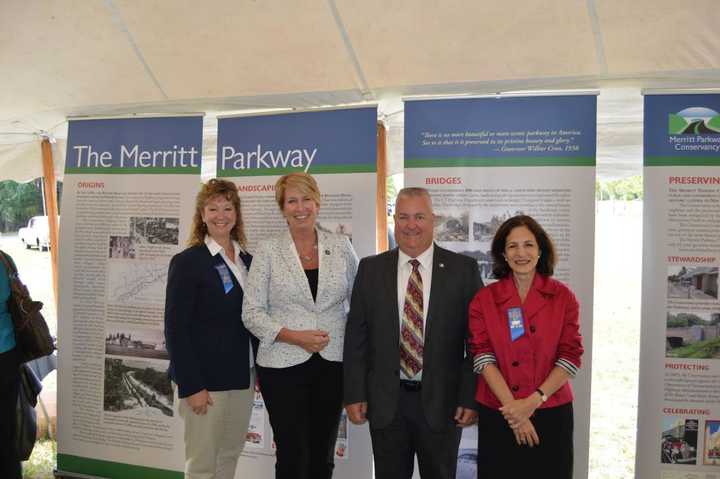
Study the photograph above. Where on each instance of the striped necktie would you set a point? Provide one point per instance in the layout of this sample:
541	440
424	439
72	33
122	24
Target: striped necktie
411	330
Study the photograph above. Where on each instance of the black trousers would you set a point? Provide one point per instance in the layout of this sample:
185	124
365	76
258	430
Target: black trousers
395	446
500	456
9	381
304	404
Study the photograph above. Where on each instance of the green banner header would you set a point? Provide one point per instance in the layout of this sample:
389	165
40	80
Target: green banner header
314	170
111	470
682	161
132	171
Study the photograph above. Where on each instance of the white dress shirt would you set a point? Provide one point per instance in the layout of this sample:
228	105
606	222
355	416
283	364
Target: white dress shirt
403	276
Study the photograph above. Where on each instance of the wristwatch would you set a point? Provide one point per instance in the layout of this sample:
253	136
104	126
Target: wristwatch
542	395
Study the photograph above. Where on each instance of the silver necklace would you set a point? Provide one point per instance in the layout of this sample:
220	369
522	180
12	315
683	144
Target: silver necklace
309	257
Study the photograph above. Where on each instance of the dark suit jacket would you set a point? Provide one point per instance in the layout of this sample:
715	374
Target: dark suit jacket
372	337
204	333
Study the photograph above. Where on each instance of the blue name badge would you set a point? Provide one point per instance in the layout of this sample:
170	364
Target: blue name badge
515	321
224	273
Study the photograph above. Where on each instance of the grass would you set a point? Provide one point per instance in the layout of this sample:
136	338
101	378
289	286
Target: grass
42	461
701	350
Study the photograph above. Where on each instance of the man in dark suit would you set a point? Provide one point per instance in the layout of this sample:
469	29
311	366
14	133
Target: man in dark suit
404	359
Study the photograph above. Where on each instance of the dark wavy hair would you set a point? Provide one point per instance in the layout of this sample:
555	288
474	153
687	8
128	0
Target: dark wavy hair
548	258
227	190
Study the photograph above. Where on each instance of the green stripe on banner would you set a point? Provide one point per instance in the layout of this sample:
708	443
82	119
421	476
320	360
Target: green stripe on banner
483	162
682	161
315	170
112	470
132	171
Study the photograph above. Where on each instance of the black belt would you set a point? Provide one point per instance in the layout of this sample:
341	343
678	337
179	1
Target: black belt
412	386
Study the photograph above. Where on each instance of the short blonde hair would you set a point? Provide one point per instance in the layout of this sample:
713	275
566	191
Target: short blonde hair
225	189
302	181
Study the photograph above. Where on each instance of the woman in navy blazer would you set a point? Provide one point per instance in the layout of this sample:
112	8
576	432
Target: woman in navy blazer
210	350
526	343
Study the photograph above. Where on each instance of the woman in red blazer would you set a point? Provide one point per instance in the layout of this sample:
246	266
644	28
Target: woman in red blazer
526	344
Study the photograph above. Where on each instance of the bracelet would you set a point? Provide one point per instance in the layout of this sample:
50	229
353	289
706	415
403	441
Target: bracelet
543	397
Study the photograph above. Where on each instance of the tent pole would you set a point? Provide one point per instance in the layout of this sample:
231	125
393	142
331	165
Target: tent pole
50	192
381	242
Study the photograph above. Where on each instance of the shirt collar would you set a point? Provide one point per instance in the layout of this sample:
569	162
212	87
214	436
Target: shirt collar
215	248
506	289
425	258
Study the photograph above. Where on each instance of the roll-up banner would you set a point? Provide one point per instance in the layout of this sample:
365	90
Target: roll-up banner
128	202
337	147
679	404
487	159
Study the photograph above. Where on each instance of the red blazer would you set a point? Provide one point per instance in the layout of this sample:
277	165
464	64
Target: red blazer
552	337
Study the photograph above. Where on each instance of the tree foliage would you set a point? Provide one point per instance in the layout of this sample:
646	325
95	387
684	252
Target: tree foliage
683	320
18	203
630	188
21	201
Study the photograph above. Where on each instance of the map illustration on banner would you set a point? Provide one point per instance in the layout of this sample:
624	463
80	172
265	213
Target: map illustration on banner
121	225
485	160
678	413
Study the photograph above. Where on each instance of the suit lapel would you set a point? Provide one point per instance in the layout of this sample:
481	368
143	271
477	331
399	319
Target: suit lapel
390	286
506	295
325	264
439	278
536	297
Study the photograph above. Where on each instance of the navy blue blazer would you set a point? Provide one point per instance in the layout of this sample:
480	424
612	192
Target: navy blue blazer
204	333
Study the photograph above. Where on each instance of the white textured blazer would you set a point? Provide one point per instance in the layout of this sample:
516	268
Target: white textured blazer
277	295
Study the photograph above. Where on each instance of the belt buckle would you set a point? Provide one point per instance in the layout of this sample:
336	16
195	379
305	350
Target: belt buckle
412	386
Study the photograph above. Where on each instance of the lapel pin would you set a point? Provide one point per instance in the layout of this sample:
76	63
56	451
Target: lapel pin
442	265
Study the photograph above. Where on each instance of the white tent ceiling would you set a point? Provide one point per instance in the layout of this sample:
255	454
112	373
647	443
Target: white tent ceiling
62	58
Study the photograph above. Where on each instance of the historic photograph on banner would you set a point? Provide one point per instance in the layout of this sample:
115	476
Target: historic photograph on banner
452	226
711	451
122	247
142	388
155	230
692	282
135	342
693	334
678	444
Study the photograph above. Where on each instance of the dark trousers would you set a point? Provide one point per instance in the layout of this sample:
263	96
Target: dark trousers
499	455
395	446
304	404
9	381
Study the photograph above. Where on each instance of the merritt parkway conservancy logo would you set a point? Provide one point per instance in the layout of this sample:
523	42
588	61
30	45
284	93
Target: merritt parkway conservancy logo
695	120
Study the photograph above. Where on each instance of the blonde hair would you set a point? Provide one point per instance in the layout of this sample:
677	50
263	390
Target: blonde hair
302	181
225	189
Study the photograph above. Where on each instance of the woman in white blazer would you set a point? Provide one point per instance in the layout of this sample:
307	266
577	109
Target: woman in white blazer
296	302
